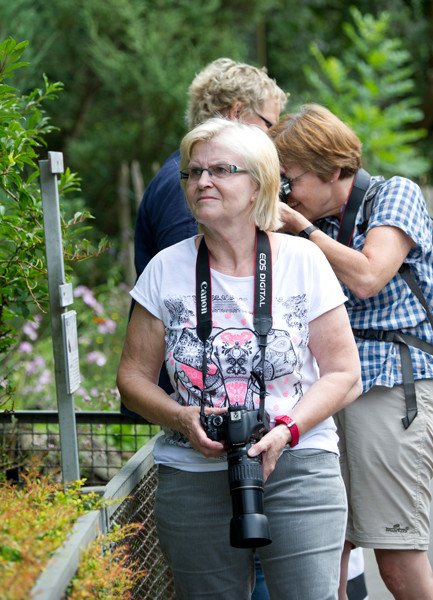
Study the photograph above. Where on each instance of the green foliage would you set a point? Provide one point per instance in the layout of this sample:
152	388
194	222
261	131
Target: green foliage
36	519
23	127
372	89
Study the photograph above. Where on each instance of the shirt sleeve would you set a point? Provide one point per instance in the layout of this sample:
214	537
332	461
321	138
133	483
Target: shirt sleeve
400	203
306	269
326	290
147	290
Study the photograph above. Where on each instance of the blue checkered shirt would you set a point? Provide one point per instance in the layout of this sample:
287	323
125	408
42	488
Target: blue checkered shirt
398	203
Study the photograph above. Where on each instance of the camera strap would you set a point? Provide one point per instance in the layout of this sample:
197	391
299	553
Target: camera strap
262	307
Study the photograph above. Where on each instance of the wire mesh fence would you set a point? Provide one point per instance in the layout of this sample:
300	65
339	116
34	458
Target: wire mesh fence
110	445
157	582
106	441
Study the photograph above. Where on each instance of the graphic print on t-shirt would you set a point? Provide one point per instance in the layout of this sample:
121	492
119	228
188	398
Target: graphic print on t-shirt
232	354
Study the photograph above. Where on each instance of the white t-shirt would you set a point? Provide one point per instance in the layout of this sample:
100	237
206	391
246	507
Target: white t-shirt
303	288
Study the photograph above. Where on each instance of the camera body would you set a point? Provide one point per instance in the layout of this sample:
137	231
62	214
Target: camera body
285	188
237	427
240	429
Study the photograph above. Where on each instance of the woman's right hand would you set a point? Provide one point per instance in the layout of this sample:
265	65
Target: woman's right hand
140	365
190	425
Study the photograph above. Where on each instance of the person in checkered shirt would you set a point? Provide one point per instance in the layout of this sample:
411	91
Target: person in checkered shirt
386	435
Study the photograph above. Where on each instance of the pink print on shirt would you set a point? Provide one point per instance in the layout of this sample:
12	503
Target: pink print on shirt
232	354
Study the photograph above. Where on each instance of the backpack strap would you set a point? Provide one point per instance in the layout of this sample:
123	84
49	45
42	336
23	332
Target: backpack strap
369	198
403	340
407	274
347	222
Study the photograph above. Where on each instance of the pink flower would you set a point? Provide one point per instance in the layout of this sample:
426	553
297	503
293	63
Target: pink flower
30	329
107	326
97	357
81	291
25	348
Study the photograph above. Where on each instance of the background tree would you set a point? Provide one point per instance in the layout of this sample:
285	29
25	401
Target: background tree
372	88
126	66
409	26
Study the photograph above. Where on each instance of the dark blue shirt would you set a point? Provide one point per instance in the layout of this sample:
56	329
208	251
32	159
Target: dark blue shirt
163	217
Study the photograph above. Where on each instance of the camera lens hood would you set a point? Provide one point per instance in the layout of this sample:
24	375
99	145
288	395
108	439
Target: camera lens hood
249	531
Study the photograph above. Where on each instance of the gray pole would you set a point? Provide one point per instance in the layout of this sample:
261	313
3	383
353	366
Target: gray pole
63	322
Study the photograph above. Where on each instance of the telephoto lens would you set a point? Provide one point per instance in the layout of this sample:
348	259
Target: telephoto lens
249	525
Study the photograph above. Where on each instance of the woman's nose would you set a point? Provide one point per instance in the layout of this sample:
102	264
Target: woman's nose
205	179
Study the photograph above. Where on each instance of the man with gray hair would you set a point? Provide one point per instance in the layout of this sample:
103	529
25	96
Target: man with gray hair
233	90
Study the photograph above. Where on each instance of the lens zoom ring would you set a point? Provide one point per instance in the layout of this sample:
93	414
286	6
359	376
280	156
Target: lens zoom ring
242	472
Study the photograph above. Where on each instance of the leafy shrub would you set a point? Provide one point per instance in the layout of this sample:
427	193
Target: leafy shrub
106	571
23	273
36	519
372	88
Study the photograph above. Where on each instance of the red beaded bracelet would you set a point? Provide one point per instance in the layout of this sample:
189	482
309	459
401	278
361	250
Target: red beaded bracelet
291	424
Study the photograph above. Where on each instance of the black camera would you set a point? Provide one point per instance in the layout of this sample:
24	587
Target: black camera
240	429
285	188
215	427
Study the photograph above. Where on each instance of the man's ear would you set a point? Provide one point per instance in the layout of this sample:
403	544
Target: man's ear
235	111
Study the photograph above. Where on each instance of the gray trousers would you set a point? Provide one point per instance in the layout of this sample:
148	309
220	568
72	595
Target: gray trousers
305	503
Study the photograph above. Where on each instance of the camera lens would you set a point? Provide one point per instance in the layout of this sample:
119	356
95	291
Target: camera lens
249	526
285	188
217	420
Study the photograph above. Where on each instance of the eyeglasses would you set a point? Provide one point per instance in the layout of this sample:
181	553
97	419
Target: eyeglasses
292	181
216	171
265	121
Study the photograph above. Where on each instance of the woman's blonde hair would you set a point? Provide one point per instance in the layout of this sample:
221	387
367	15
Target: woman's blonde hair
258	154
317	141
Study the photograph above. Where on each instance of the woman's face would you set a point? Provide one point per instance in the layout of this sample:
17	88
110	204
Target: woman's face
216	201
310	196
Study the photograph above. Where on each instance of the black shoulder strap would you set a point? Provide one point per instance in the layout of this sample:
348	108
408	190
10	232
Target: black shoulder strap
203	293
262	307
407	274
372	192
347	223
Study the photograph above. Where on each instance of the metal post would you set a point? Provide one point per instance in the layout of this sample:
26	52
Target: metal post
63	321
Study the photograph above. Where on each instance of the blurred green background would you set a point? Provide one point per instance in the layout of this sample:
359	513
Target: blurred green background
126	65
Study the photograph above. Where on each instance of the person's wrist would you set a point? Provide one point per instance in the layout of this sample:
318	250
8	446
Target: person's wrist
292	426
305	233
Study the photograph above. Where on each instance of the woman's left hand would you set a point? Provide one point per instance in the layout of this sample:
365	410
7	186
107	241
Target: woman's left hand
270	446
293	221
